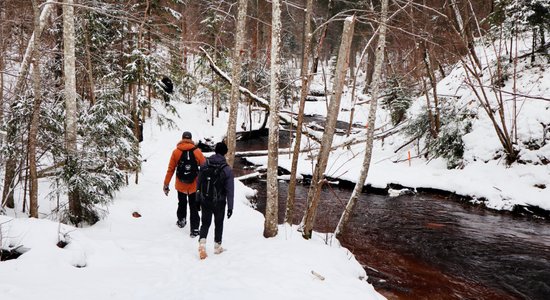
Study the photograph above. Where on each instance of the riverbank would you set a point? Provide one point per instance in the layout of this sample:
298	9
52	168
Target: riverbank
481	174
520	189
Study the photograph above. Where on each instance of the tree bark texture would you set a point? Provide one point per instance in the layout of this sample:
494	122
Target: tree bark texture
306	79
2	61
33	129
317	55
236	76
89	68
75	209
272	209
332	116
433	83
375	88
11	162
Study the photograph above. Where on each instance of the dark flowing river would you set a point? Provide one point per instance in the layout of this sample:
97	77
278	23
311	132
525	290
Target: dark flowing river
427	246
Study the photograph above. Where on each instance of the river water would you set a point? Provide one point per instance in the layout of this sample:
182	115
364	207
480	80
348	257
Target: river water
428	246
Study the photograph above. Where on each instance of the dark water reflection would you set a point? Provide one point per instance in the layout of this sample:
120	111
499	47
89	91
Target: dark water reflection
429	247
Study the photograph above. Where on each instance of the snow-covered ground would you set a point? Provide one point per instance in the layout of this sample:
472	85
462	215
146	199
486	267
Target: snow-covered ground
123	257
485	177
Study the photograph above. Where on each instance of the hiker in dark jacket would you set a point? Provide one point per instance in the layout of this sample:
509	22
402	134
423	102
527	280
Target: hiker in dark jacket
186	191
216	209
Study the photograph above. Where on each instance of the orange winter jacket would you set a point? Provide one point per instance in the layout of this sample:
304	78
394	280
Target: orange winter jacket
183	145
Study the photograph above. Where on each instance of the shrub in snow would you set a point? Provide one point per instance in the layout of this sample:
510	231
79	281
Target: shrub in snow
397	99
447	143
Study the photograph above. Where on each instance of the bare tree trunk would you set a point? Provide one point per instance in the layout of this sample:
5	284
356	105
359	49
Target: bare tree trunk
75	207
138	88
135	120
272	208
2	62
514	90
463	29
89	69
332	116
306	78
379	60
11	162
317	55
369	70
25	64
433	83
431	118
9	177
213	101
33	131
474	80
183	37
236	75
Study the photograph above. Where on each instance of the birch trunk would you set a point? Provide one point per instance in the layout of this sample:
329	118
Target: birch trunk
11	163
25	64
433	83
375	88
33	130
272	209
306	79
332	116
236	76
75	209
2	62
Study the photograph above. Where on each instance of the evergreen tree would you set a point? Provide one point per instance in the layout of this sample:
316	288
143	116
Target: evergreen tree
455	123
398	99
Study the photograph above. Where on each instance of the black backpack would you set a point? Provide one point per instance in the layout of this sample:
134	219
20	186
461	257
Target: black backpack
212	183
187	168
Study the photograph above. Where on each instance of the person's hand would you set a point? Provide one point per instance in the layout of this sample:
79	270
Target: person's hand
229	213
166	190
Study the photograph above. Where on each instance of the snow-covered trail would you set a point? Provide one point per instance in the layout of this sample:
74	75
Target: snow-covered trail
124	257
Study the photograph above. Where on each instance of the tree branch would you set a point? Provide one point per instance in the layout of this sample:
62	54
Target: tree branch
259	100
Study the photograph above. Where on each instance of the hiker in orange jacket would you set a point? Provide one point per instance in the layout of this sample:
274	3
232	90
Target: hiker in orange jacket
187	190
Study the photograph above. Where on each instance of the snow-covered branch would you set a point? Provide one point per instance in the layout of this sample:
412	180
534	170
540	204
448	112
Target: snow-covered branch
259	100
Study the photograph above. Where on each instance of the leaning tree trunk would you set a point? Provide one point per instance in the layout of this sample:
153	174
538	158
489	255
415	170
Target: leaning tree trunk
332	116
306	78
236	75
33	130
272	209
11	162
75	206
379	61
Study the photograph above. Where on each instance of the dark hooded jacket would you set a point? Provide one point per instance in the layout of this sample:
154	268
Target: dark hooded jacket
229	178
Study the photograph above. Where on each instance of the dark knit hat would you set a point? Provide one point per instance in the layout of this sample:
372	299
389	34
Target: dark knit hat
221	148
186	135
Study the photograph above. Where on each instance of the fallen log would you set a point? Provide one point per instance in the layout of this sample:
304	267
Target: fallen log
259	100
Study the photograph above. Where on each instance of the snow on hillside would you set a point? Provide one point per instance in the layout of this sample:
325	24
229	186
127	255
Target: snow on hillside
484	176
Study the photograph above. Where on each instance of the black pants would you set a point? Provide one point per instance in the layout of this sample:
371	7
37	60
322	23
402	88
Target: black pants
219	213
193	209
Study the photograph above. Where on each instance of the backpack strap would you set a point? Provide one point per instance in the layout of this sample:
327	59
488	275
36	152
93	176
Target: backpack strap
192	150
